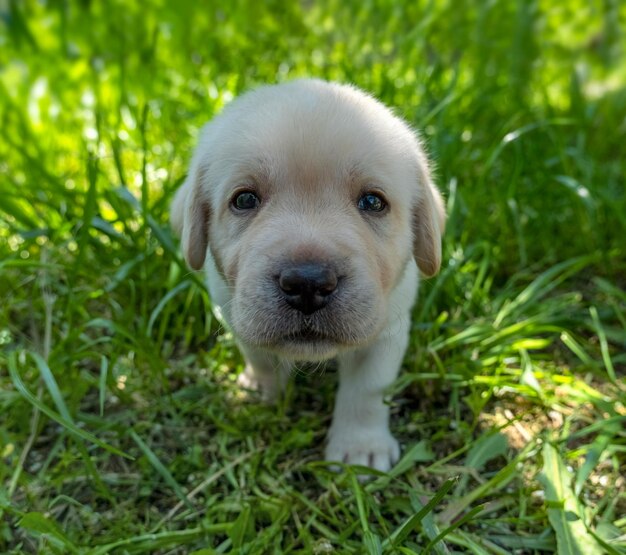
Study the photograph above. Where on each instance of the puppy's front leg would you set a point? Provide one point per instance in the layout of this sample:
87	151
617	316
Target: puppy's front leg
264	372
359	433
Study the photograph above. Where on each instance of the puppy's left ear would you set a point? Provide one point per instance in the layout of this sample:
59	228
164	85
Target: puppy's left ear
429	219
189	217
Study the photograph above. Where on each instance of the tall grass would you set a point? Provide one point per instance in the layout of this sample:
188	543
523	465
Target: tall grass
122	430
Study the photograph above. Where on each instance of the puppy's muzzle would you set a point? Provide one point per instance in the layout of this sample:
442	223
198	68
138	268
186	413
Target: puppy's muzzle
308	286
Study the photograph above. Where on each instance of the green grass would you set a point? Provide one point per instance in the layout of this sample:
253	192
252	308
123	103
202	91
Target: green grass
121	427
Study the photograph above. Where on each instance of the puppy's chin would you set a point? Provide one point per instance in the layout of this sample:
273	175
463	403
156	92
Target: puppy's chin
306	345
305	350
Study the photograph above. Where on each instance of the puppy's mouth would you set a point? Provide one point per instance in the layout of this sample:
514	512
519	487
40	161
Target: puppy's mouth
307	344
306	335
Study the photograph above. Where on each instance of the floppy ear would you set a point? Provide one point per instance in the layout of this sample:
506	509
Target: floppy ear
429	218
189	217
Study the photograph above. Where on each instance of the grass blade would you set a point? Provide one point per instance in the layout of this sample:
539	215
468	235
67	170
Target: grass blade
69	426
611	429
52	386
400	533
149	543
41	525
543	284
420	452
102	382
161	469
166	298
563	511
486	448
604	346
466	518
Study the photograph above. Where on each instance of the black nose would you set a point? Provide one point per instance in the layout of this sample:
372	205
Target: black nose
307	287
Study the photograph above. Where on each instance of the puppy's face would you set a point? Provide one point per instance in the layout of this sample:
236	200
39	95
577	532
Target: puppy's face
312	199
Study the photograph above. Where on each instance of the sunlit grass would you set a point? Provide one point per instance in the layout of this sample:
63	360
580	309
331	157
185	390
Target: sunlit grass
122	428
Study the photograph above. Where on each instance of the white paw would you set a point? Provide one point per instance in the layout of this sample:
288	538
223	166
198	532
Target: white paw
376	449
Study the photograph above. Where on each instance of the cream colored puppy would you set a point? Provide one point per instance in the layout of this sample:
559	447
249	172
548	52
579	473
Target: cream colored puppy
311	207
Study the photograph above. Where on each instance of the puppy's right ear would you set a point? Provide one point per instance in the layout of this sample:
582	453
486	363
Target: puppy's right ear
189	217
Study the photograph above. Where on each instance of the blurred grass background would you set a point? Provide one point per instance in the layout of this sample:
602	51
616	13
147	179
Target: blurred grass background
511	408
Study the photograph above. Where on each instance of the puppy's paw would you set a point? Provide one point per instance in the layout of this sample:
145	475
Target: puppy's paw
377	449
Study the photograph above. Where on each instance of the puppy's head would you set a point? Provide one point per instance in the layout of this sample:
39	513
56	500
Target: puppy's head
312	198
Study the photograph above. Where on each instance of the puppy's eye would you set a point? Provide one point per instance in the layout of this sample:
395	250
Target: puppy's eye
245	200
369	202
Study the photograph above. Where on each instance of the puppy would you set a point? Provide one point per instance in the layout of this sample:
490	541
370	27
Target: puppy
312	210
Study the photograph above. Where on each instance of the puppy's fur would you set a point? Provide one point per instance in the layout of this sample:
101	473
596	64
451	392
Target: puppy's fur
310	152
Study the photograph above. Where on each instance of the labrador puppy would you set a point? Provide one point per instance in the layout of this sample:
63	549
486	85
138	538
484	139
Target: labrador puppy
312	210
